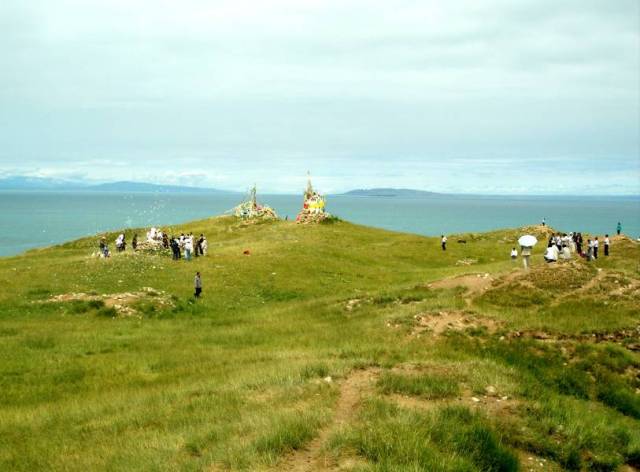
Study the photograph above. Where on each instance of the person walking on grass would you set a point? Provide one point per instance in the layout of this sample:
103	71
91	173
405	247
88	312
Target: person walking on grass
443	242
606	244
619	228
595	247
197	284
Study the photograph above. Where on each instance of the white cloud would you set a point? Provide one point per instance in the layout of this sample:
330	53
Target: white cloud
249	89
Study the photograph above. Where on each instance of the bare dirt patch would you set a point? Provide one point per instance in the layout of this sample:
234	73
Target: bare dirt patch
438	323
475	284
311	458
123	303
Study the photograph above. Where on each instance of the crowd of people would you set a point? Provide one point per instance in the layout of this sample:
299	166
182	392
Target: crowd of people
186	245
189	246
564	245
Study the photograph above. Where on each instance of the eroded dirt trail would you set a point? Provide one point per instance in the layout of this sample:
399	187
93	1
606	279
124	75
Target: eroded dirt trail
311	458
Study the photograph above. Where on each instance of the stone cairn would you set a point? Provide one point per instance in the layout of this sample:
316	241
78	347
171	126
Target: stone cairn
313	207
250	209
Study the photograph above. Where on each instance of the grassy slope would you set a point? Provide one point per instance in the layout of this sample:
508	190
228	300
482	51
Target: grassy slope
233	381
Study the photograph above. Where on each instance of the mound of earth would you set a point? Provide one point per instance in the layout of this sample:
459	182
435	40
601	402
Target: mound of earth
443	321
123	303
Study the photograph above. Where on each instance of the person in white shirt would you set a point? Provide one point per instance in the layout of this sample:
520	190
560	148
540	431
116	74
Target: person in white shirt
443	242
514	253
606	244
551	255
589	250
120	242
188	248
204	246
595	248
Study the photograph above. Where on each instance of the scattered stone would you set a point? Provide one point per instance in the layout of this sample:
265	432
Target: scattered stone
490	390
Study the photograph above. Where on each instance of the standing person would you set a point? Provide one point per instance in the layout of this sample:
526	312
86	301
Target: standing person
199	245
197	284
606	244
204	246
579	243
589	250
104	248
119	241
443	242
558	242
595	247
165	241
134	242
514	254
188	248
544	222
175	248
619	228
525	251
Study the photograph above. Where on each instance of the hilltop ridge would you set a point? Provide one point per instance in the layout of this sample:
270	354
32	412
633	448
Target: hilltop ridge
319	347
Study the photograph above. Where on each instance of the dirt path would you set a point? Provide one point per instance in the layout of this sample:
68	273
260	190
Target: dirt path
311	457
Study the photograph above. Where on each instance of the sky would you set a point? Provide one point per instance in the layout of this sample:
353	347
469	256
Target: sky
464	96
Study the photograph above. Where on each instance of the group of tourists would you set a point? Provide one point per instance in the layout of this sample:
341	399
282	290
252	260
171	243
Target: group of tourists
184	245
562	246
188	245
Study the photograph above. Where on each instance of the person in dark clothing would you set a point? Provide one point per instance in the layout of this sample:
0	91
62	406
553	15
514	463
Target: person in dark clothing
175	248
619	228
197	283
165	241
199	250
104	248
134	242
579	243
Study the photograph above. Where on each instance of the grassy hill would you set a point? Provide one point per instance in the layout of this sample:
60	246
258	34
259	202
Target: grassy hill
328	347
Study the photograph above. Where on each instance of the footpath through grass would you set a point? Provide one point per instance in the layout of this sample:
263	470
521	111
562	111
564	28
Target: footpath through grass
112	365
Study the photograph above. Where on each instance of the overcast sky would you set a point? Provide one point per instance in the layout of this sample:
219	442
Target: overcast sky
491	96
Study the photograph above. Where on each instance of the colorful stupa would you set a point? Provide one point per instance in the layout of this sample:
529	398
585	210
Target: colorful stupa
250	208
313	207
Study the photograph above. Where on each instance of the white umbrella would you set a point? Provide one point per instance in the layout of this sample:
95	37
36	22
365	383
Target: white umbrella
527	240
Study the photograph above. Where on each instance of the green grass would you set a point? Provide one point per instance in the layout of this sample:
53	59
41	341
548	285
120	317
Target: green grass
430	386
236	380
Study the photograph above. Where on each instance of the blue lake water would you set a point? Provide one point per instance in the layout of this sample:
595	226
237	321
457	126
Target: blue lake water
33	219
